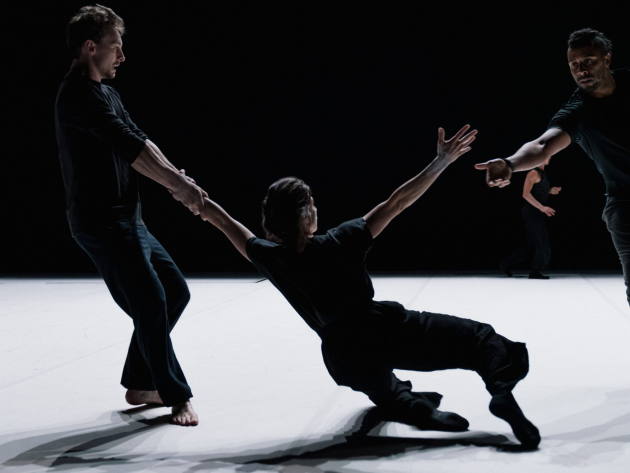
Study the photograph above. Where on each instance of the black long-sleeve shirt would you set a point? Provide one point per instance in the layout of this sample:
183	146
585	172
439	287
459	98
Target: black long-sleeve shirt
97	143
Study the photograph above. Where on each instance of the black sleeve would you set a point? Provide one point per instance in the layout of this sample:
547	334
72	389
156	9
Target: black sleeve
568	117
93	112
353	235
129	121
255	248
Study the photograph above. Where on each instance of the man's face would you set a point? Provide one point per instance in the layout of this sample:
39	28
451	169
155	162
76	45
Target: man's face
108	55
589	67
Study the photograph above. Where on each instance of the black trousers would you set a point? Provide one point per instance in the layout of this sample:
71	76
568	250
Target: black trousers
363	357
537	250
617	217
145	282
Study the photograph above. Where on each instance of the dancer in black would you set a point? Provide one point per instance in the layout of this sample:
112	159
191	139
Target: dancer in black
100	149
597	117
325	280
535	212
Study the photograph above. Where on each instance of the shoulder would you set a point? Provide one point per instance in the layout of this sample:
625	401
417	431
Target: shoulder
356	225
534	175
258	247
353	233
570	114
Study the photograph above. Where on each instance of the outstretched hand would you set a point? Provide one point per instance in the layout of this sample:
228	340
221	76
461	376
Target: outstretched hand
498	173
555	190
456	146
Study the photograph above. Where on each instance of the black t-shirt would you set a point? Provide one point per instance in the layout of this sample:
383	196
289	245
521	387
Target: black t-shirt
328	282
601	126
540	190
97	143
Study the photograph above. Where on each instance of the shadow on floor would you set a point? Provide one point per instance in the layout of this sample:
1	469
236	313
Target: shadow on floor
66	448
79	449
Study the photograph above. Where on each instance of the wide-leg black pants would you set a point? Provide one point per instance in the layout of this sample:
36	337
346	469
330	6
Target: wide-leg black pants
145	282
363	357
537	249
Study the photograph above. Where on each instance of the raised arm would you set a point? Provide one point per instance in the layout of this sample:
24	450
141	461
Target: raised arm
236	232
447	152
531	179
154	165
531	154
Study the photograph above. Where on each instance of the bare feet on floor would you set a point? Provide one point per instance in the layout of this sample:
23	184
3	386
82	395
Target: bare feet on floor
184	414
135	397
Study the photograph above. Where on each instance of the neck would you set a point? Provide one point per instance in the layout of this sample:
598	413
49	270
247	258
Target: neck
87	67
606	88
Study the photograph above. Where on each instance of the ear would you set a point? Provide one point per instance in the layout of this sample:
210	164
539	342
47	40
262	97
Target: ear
88	48
608	59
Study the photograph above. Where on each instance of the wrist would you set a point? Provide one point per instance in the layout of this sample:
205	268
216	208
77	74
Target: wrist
509	164
176	182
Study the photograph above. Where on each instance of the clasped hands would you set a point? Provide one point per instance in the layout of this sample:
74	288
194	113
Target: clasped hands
189	194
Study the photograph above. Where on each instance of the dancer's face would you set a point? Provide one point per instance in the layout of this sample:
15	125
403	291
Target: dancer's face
107	54
589	66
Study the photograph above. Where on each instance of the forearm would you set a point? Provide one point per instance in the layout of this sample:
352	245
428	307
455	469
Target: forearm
154	165
236	232
411	190
532	200
214	213
529	156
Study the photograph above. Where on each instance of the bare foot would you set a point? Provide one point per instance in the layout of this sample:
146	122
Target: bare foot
184	414
135	397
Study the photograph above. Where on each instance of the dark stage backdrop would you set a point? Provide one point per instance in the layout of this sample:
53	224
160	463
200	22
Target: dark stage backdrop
346	96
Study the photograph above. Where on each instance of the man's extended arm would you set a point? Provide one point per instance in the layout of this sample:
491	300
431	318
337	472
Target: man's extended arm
531	154
448	151
154	165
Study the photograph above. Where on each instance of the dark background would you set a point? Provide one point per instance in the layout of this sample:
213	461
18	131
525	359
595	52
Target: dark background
347	96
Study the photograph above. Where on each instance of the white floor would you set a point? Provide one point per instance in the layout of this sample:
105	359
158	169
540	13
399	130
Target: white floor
265	400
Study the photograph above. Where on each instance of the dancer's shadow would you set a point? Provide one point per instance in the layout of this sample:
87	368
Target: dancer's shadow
353	443
92	449
67	450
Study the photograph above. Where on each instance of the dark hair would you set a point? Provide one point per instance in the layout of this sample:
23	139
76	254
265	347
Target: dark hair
590	37
91	22
287	200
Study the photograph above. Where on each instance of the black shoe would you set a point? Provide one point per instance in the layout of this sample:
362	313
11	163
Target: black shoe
505	407
537	275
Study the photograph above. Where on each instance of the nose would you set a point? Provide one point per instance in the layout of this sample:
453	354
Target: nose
121	56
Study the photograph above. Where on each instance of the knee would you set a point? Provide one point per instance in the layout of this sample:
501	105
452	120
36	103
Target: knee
178	297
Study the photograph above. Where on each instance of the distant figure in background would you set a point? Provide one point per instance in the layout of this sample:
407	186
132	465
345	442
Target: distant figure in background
537	249
325	279
101	151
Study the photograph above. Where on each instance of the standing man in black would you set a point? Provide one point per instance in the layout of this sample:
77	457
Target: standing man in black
101	152
597	117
